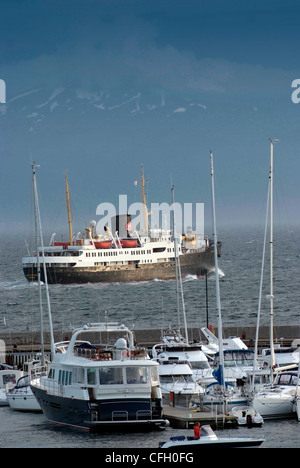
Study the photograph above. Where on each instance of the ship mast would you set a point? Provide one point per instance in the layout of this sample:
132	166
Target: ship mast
69	211
144	202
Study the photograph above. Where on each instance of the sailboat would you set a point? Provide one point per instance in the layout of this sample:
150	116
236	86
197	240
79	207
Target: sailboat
8	379
222	393
173	346
276	400
21	397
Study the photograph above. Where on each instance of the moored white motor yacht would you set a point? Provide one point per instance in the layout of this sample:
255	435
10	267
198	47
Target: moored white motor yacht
174	347
178	384
232	343
95	386
284	356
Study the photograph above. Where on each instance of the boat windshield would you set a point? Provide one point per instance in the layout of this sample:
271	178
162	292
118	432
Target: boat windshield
137	375
237	358
9	378
287	379
116	376
199	365
176	379
23	382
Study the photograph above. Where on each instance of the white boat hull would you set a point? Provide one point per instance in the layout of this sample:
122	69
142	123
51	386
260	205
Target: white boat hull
3	398
23	401
233	442
274	405
298	409
208	438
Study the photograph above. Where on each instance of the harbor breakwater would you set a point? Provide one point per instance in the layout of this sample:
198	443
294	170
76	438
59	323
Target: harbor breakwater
283	335
17	348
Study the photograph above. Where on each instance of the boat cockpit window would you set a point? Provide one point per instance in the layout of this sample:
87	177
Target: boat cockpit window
287	379
184	379
111	376
23	382
78	375
236	358
64	377
9	379
154	376
165	379
91	377
199	365
135	375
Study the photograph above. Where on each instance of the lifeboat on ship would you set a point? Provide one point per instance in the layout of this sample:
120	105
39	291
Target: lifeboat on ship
104	244
129	243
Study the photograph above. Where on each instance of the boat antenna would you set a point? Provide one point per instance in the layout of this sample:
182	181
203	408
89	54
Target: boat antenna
220	372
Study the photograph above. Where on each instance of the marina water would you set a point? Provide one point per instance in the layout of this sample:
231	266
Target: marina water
152	305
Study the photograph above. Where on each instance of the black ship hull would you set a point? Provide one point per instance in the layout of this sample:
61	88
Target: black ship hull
196	264
113	414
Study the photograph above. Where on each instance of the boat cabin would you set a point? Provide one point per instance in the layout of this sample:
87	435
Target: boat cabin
236	358
9	378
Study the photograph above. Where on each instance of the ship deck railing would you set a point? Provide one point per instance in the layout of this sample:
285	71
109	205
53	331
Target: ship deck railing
49	386
100	354
141	415
93	354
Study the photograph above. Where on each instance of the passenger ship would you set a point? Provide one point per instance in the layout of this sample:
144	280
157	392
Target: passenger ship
94	386
143	256
145	259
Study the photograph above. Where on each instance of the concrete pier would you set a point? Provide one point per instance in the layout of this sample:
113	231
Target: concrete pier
183	418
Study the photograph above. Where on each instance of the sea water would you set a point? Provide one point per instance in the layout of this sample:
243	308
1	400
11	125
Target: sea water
153	305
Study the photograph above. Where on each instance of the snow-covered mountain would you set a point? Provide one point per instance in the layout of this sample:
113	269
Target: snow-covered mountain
100	138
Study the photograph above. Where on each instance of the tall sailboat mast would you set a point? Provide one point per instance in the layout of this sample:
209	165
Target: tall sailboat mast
178	276
36	219
39	234
272	259
220	325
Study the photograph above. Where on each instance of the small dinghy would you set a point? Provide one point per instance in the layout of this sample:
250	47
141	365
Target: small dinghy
247	416
207	439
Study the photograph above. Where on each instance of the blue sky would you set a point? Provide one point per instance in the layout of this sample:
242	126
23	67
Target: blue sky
96	88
